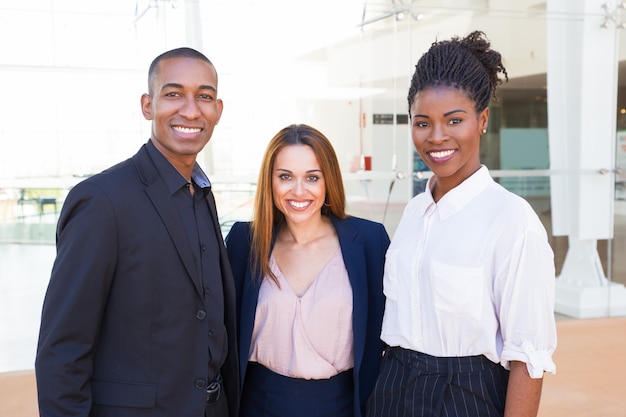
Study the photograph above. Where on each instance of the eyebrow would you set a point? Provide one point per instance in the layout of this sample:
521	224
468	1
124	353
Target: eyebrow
446	114
287	170
176	85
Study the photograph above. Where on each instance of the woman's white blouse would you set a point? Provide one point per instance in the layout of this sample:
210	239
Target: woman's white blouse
472	275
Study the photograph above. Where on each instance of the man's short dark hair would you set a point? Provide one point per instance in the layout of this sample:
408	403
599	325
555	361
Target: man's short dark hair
184	52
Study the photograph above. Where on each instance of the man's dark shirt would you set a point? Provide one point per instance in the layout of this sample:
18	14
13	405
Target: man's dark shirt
203	238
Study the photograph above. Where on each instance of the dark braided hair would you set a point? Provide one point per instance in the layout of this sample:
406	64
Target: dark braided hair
468	64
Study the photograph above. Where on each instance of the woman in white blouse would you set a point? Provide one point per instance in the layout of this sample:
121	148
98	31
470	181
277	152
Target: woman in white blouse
309	287
469	275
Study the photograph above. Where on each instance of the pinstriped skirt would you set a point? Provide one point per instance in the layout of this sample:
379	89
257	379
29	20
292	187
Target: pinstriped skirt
415	384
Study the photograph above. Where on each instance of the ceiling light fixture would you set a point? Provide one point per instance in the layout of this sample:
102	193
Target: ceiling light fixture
398	10
615	14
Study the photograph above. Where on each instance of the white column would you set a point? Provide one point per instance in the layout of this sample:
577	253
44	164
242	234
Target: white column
193	25
582	98
193	38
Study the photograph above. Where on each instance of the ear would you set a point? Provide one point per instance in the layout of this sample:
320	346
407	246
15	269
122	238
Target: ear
146	106
483	120
220	108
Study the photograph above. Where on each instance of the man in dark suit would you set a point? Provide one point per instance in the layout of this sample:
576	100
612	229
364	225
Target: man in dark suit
139	316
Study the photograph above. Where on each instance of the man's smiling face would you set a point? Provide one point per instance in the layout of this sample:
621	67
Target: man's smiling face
183	107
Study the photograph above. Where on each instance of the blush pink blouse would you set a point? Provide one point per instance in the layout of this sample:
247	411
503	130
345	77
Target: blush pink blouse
308	336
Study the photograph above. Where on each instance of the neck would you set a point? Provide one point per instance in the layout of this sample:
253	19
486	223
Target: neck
183	169
183	163
305	233
437	190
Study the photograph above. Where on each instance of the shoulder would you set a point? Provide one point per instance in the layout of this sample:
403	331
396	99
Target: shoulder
363	230
112	186
505	200
362	222
238	236
111	178
512	210
417	202
359	224
239	229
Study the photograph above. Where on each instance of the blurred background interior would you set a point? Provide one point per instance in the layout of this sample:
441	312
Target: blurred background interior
73	72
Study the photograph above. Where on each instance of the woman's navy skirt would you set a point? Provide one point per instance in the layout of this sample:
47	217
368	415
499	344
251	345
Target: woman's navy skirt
268	394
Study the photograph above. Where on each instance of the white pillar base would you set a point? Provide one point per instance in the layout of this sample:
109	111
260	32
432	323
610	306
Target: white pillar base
590	302
582	290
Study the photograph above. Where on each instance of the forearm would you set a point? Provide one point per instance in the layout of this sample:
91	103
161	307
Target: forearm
523	393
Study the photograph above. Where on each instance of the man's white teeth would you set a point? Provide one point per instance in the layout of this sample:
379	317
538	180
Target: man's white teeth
441	154
299	204
186	129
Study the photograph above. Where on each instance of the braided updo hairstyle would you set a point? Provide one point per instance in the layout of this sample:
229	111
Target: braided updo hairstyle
468	64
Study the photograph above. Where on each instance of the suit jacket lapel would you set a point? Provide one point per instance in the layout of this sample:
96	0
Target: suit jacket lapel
216	223
227	275
354	259
162	201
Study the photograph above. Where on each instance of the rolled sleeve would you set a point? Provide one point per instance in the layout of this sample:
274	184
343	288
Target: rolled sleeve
537	361
527	305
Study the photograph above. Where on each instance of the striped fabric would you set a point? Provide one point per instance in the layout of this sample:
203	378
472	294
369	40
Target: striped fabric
413	384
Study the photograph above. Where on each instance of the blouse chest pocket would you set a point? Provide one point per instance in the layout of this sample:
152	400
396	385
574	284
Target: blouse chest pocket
457	290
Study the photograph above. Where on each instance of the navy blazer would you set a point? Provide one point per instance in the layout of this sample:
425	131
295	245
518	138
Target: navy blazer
123	330
363	246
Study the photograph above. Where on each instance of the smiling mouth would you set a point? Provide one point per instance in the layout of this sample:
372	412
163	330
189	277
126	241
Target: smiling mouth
299	204
182	129
441	154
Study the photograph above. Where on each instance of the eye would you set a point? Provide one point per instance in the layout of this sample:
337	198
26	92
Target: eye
172	94
284	177
455	121
313	178
421	124
206	97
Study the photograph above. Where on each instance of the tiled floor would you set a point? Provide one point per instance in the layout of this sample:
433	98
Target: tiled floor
591	372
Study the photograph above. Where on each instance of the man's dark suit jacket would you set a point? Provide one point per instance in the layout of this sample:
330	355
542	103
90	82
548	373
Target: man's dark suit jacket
363	247
123	330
